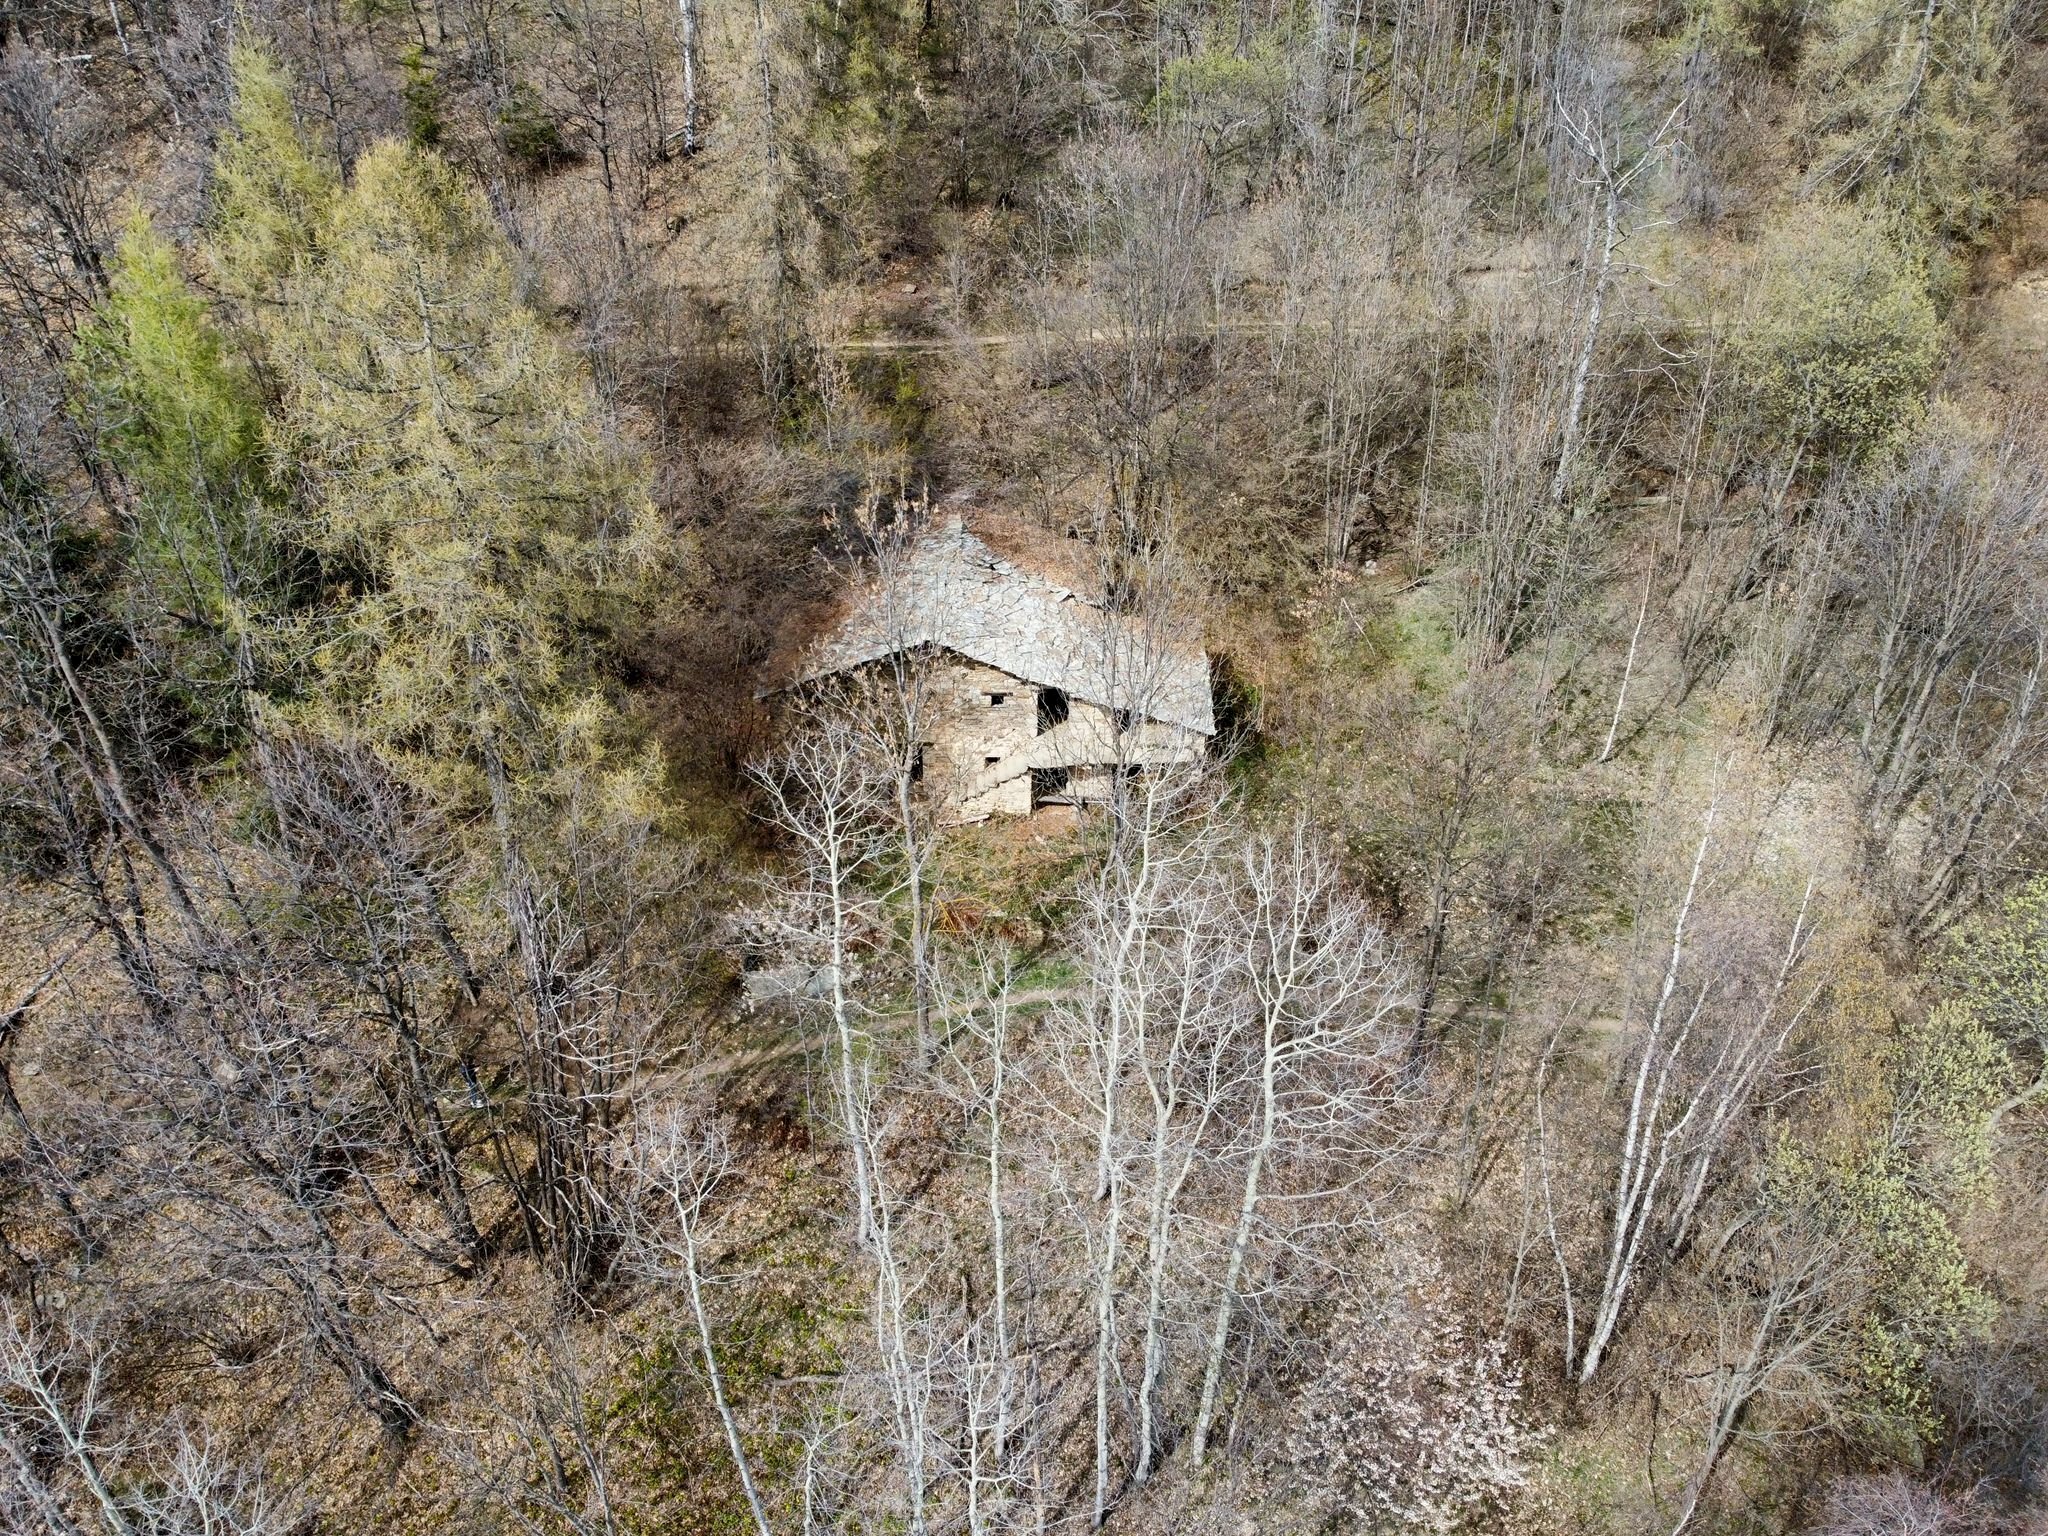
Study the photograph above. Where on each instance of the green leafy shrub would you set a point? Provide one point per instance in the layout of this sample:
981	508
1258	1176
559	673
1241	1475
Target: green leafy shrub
422	96
1841	338
1902	1153
529	132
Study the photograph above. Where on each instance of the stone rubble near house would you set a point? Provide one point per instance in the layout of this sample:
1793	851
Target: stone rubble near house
792	982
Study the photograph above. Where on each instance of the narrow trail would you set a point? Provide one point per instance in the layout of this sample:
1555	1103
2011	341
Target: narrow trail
997	339
802	1045
1476	326
1479	282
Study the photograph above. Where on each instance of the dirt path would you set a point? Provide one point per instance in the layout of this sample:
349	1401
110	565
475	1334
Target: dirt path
995	340
782	1050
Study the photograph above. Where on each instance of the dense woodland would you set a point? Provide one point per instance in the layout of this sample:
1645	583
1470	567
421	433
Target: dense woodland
1575	1058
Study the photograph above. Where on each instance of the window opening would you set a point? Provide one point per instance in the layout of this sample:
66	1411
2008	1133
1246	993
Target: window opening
1052	709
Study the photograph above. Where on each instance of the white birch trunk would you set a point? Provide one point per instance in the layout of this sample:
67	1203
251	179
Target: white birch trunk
713	1376
1628	668
691	110
1640	1170
1240	1246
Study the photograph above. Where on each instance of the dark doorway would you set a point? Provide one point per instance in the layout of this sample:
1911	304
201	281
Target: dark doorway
1048	784
1052	709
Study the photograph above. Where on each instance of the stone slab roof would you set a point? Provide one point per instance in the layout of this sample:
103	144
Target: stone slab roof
948	589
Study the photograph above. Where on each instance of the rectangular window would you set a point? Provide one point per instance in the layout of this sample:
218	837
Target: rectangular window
1052	709
1047	782
997	698
990	762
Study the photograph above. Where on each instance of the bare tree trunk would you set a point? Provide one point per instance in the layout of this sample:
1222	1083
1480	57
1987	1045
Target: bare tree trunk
1812	1290
1594	138
1322	978
1646	1144
1582	368
1628	668
771	145
688	10
998	1230
61	1187
1163	1196
25	1367
1111	1196
825	796
846	1047
907	1370
689	1213
1241	1238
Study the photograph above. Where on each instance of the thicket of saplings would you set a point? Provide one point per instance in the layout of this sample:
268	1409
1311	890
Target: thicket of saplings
1573	1059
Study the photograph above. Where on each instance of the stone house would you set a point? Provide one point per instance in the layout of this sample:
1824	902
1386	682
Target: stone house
1032	694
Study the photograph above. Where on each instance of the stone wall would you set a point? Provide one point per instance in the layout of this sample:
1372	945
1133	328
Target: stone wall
970	732
983	742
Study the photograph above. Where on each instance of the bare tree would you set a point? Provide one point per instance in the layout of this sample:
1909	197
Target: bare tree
1795	1288
32	1366
227	1083
682	1162
580	896
1320	1067
905	1319
50	1170
1344	350
550	1467
56	216
897	713
1614	168
1130	217
240	1117
53	1397
1527	551
1707	1045
981	1054
823	792
1891	1504
687	45
1950	557
1182	1053
1161	834
367	870
597	69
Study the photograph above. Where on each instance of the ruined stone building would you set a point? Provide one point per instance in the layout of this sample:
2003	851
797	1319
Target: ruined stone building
1031	693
